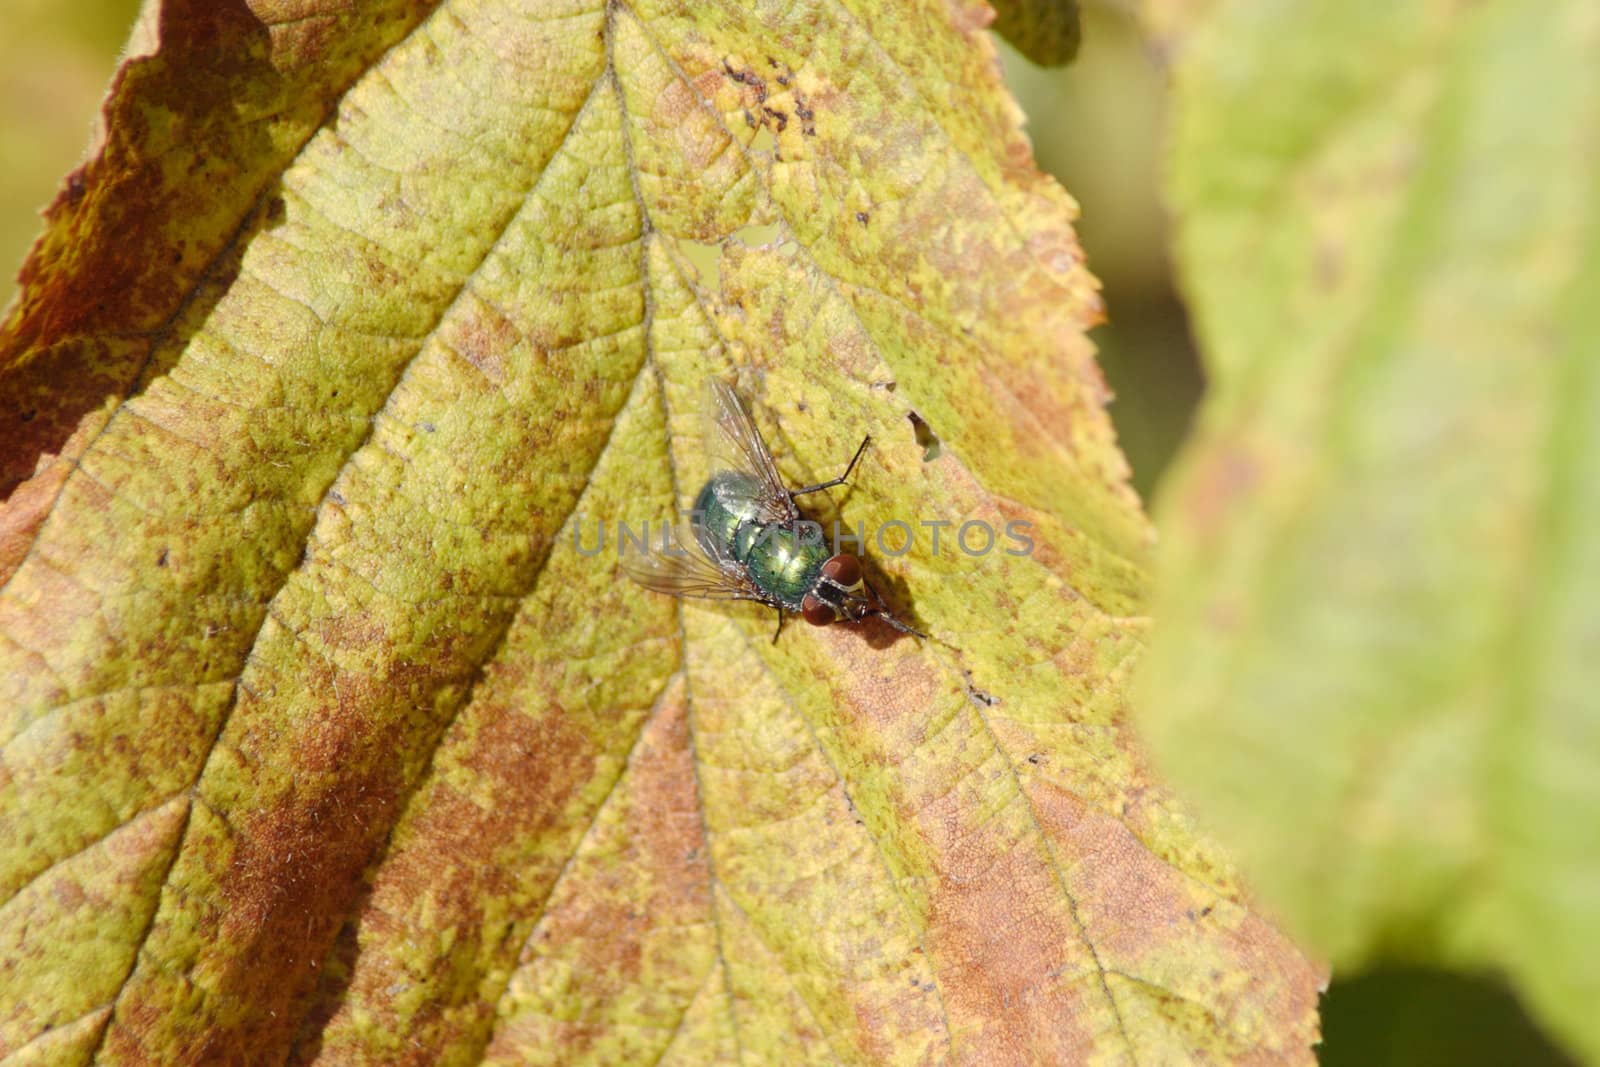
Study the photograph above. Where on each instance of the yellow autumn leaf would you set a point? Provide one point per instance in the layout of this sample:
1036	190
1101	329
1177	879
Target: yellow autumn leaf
327	736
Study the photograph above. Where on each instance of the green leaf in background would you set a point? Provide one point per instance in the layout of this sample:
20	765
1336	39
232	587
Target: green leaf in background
1379	644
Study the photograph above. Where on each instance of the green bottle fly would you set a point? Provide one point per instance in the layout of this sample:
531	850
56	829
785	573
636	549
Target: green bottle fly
748	539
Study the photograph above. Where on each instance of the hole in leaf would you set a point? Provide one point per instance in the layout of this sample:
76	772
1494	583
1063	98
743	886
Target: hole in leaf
763	141
931	445
757	235
704	258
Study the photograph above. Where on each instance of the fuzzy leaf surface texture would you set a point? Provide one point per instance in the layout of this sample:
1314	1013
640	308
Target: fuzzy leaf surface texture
1379	649
329	739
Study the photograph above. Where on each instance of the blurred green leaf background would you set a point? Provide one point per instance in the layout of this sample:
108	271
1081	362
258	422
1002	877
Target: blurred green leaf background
1375	654
1098	125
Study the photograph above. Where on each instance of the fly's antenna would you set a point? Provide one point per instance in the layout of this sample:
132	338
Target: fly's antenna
897	624
879	607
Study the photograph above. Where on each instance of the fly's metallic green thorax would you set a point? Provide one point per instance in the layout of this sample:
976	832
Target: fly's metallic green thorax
748	540
783	561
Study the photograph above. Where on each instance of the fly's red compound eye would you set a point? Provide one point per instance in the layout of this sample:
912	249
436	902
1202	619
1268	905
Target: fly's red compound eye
815	611
844	569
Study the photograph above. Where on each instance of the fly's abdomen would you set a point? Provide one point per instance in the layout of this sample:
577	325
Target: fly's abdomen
780	563
721	508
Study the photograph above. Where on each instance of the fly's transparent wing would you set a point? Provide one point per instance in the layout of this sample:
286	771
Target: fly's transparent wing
685	568
737	445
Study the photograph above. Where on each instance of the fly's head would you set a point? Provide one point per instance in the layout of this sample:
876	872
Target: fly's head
842	594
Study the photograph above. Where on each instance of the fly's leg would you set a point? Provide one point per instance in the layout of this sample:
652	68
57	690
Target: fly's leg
865	441
779	630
